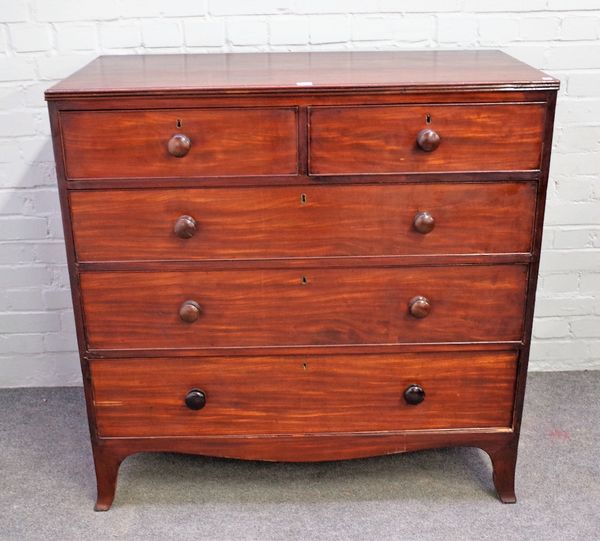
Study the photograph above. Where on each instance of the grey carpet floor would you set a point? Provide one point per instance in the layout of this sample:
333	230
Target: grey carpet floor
47	484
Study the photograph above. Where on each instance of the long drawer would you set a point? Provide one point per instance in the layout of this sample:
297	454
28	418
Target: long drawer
279	307
384	139
275	395
180	143
303	221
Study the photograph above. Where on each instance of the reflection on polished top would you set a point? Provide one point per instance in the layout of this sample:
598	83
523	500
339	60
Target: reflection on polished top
238	72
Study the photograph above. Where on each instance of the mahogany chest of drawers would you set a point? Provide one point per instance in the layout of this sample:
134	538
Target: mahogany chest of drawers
304	256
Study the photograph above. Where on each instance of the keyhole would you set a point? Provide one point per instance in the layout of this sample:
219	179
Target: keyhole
304	280
305	366
427	118
303	199
178	123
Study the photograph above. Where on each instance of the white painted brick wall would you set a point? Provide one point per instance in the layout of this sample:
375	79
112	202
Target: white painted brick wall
42	41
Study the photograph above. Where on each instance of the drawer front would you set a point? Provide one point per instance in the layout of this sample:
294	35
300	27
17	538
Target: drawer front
302	307
223	142
304	221
269	395
383	139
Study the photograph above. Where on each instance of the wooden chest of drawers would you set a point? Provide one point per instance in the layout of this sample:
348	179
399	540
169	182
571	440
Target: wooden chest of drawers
303	257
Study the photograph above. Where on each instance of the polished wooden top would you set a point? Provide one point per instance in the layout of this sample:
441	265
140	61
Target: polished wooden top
246	72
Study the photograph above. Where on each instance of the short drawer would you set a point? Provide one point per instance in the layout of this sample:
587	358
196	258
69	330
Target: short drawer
284	307
287	395
180	143
384	139
304	221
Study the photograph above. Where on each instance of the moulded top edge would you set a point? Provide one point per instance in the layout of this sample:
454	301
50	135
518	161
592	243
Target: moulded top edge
308	72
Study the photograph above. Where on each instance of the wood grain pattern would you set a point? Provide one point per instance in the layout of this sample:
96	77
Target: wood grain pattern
315	447
382	139
134	144
479	270
308	221
283	395
202	74
279	308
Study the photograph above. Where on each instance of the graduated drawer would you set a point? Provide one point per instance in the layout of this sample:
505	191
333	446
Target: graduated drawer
383	139
304	221
279	395
283	307
139	144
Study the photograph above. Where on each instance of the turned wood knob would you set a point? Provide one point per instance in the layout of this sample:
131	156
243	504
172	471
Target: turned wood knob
424	222
419	307
195	399
428	140
179	145
414	394
190	311
185	226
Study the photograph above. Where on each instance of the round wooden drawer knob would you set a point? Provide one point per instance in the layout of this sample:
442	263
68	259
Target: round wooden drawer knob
195	399
419	307
424	222
414	394
190	311
179	145
428	140
185	226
